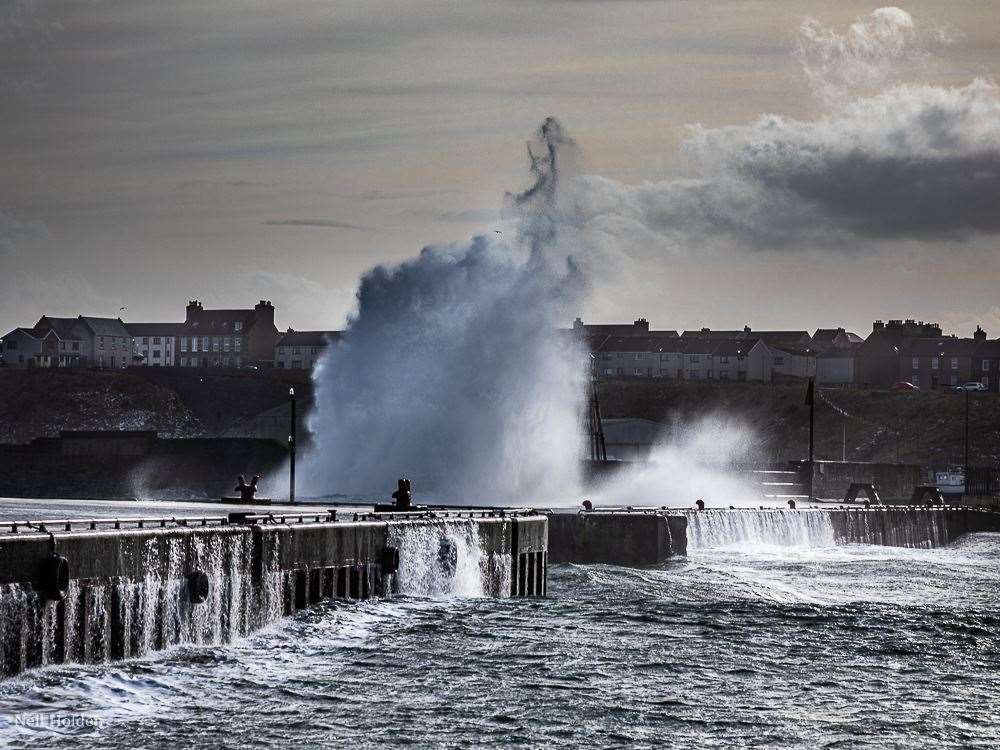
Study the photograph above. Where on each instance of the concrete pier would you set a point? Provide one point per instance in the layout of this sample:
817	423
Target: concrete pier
633	538
643	537
104	589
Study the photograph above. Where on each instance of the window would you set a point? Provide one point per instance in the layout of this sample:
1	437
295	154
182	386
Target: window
603	356
934	363
11	345
694	358
227	342
986	365
194	343
724	360
184	343
779	361
238	326
723	374
915	380
664	357
638	371
184	361
710	374
693	374
664	373
297	365
76	346
954	363
216	343
205	347
609	371
225	361
916	363
954	379
156	340
156	353
986	381
145	340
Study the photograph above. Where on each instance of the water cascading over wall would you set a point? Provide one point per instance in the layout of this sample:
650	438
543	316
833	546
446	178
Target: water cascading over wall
137	590
449	558
902	526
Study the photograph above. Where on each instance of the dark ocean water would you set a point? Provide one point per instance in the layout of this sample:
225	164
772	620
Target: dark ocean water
753	645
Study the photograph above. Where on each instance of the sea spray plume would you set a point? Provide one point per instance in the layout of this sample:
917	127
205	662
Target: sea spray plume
452	371
702	459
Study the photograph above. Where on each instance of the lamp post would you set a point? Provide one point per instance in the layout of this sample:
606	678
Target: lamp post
291	447
965	481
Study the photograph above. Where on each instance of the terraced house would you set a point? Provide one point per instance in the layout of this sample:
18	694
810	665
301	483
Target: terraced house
84	341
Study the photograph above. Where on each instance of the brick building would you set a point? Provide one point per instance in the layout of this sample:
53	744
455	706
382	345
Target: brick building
299	350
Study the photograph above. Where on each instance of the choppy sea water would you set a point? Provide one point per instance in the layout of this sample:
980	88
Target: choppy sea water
763	645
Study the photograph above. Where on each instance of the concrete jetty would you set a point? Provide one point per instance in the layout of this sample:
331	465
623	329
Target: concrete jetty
99	589
650	536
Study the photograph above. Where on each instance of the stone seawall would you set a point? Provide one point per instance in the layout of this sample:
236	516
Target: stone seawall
96	594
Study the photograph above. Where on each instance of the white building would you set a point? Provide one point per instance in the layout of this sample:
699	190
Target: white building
300	350
154	344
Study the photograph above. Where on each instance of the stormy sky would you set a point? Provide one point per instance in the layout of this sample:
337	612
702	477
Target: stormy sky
757	162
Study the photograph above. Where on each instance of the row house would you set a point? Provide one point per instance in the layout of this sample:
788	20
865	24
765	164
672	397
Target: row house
300	350
986	365
84	341
208	338
933	363
698	359
154	344
227	338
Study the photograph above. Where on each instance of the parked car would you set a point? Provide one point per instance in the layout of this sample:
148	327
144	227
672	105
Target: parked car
972	386
902	385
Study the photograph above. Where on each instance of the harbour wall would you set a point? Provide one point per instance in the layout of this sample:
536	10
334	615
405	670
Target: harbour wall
643	537
633	538
124	592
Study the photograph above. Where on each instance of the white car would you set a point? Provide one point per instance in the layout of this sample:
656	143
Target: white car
973	386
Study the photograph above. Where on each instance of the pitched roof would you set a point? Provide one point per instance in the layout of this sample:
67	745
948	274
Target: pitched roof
941	346
989	348
155	329
734	348
218	322
65	328
105	326
308	338
27	331
708	333
637	344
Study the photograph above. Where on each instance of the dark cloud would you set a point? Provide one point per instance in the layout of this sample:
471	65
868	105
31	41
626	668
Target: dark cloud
327	223
917	162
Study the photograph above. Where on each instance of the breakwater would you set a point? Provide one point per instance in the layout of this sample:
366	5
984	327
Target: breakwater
99	590
649	536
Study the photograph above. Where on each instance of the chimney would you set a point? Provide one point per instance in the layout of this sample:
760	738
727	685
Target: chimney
641	325
878	326
263	311
193	309
746	329
980	334
578	324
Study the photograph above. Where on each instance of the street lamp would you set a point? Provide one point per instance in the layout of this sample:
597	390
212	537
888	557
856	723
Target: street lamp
291	447
965	481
